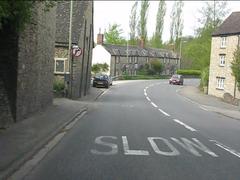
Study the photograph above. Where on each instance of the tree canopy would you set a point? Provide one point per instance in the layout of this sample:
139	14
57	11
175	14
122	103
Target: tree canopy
114	35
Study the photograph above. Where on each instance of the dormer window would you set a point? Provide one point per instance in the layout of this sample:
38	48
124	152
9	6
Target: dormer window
223	42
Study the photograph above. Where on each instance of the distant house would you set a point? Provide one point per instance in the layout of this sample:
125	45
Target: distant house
225	41
129	59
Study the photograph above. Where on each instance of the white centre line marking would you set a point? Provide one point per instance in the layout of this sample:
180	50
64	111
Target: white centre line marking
185	125
145	93
154	105
228	149
148	99
166	114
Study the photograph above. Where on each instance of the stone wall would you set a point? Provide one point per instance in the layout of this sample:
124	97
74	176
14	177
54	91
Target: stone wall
35	63
26	66
222	71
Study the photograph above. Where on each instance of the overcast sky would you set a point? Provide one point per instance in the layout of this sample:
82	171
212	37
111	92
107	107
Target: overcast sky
109	12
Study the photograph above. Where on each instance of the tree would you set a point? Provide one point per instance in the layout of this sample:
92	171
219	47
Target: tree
236	67
157	37
18	13
113	35
212	14
95	68
198	49
142	23
100	68
156	66
133	23
176	26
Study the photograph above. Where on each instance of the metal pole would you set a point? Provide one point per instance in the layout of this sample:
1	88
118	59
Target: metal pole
69	49
180	54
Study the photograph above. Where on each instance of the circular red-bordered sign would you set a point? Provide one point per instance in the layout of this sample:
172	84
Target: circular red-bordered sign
77	52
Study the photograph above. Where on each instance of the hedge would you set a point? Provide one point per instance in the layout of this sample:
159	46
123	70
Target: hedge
189	72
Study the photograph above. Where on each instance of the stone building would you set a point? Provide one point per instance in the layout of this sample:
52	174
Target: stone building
129	59
225	41
26	66
82	35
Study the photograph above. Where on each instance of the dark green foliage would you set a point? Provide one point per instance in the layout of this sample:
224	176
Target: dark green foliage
236	67
98	68
156	67
189	72
58	85
204	77
19	12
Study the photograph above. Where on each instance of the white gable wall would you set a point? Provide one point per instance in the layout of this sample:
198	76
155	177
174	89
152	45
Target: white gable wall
101	55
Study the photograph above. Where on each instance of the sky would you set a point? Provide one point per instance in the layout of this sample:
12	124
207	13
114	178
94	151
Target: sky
109	12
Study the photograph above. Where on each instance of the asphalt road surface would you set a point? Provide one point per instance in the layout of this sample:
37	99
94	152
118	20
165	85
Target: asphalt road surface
144	130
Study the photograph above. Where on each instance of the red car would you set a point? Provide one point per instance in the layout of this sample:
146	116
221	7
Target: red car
176	79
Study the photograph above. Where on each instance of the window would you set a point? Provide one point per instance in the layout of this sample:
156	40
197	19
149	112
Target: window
117	59
220	82
135	60
222	59
60	65
223	42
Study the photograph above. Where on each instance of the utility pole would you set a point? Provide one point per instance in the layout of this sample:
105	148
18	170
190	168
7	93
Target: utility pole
180	54
69	50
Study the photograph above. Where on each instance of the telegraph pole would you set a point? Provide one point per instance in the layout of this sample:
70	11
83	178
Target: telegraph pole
69	50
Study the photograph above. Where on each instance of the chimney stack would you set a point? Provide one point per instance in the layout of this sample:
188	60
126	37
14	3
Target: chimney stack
141	43
100	38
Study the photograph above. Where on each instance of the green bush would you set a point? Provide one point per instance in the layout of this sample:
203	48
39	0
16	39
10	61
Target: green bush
58	85
204	77
189	72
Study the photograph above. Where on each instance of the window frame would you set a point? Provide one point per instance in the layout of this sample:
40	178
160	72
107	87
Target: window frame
220	82
222	60
64	65
223	42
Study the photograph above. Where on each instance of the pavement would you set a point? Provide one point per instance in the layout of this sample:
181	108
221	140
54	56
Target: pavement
210	103
145	130
22	140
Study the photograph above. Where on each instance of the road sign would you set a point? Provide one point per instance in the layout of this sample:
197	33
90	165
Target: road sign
77	52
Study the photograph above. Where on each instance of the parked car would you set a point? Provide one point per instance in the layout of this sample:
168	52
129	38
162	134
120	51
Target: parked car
176	79
102	80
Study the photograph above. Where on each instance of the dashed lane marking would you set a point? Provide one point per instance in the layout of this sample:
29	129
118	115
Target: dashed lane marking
185	125
226	148
154	105
166	114
148	98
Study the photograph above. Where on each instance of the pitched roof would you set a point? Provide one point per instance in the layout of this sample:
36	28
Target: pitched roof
62	20
231	26
121	50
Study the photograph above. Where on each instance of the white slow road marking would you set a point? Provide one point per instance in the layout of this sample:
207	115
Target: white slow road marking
228	149
127	151
154	105
203	108
166	114
148	98
185	125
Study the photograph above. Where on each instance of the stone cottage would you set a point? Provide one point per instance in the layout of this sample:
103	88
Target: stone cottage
122	58
78	82
225	41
